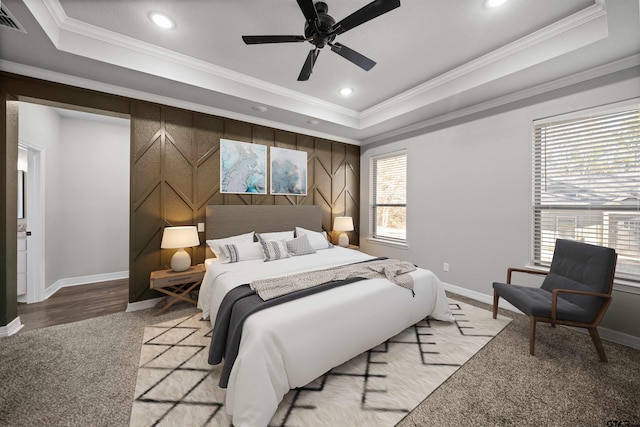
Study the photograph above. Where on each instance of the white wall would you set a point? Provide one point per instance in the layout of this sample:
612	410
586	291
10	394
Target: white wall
94	197
86	191
40	126
469	195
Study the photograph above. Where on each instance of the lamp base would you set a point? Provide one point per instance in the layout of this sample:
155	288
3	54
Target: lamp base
180	261
343	240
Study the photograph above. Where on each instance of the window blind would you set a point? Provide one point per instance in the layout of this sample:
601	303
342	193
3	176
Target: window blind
389	207
586	185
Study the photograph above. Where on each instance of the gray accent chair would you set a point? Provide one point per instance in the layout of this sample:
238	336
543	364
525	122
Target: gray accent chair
575	292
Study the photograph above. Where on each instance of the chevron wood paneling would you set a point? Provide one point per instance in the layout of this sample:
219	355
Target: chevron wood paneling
175	171
176	174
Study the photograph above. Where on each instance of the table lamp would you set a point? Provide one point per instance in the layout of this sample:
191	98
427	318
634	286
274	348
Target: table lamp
342	224
180	238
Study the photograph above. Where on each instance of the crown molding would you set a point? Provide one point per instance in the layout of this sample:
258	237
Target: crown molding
86	40
613	67
83	39
93	32
578	30
42	74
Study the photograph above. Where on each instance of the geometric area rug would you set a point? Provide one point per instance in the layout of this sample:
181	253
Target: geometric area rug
176	385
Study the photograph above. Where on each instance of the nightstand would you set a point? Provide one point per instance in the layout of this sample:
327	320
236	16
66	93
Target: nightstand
177	285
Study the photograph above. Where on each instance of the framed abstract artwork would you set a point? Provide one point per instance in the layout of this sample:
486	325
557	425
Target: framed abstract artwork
288	172
243	167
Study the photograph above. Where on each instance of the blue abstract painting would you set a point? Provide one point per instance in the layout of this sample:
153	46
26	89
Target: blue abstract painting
243	167
288	172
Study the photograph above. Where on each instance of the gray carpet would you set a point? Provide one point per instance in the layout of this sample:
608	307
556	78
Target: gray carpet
84	373
77	374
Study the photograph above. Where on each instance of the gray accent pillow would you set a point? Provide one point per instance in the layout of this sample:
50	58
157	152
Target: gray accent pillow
274	249
300	246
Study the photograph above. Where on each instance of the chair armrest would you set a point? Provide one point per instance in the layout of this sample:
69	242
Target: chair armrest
523	270
554	298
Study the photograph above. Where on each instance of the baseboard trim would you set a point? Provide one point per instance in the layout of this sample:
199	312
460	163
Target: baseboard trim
14	326
478	296
143	305
618	337
83	280
606	334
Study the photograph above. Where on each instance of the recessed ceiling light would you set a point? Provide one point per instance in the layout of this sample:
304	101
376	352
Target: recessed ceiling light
494	3
260	108
346	91
162	20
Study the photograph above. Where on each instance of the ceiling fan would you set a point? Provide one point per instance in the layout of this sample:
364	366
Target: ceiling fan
321	29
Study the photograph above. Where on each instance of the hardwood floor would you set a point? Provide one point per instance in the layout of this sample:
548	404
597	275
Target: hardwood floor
75	303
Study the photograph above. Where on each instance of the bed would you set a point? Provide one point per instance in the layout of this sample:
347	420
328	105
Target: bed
289	345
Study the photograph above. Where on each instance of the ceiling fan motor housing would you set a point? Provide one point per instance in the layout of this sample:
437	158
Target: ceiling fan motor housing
320	33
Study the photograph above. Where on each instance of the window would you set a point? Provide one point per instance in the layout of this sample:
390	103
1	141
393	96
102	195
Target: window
586	184
389	207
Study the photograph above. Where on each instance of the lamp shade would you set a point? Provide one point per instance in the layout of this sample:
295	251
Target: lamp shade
343	223
180	237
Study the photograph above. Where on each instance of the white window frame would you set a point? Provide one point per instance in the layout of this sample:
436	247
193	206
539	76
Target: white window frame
593	204
375	236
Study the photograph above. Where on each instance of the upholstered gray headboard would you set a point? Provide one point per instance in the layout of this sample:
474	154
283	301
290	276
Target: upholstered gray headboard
230	220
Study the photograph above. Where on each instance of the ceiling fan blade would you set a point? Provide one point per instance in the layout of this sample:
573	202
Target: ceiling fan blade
357	58
308	10
307	68
366	13
272	39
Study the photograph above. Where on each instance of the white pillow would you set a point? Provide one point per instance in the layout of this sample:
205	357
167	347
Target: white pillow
216	243
316	239
278	235
242	251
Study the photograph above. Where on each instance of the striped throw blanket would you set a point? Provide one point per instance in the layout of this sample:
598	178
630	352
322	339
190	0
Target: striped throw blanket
394	270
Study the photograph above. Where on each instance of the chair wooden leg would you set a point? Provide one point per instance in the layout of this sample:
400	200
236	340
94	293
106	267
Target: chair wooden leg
532	336
596	341
495	303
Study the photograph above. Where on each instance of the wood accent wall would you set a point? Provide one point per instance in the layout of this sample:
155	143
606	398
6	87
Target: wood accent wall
8	209
176	174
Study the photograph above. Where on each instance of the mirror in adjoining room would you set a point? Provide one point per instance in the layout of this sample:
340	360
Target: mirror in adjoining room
22	182
21	179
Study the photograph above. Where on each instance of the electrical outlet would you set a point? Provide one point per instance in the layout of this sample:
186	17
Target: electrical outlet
445	266
201	227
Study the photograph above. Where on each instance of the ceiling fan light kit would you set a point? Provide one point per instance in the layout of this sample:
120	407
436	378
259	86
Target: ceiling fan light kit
321	30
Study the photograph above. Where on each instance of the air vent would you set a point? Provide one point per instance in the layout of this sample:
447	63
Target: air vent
7	20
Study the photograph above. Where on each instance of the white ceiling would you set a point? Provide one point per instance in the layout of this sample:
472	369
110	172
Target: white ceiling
436	59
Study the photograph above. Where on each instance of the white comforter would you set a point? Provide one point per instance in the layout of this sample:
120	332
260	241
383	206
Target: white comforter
290	345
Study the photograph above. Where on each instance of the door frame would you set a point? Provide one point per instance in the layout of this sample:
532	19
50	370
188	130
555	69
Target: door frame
35	208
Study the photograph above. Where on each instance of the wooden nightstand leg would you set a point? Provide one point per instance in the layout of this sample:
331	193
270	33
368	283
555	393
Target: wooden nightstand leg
181	296
162	310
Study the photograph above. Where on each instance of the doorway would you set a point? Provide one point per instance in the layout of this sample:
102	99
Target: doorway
31	226
77	198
